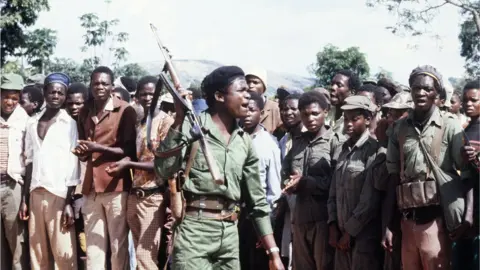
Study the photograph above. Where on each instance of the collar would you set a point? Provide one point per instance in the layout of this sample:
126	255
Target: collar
261	130
361	141
62	116
205	119
435	118
109	105
326	136
16	115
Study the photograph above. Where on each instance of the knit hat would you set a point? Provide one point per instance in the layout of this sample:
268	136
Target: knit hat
259	73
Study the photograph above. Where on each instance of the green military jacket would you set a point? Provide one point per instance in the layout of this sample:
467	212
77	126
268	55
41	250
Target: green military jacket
312	159
353	201
415	163
236	161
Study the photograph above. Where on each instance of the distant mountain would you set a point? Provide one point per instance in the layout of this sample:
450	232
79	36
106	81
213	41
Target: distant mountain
196	70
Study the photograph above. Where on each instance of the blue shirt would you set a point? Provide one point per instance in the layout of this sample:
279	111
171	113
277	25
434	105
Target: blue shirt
269	164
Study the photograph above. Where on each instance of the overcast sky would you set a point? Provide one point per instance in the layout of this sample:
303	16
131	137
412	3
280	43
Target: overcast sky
278	35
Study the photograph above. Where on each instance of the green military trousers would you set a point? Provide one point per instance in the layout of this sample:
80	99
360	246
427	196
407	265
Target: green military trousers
201	243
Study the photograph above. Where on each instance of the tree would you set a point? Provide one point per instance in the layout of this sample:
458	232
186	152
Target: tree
69	67
331	59
39	45
133	70
99	34
414	16
470	48
15	15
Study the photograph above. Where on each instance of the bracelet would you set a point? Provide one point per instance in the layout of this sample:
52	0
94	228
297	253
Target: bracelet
272	250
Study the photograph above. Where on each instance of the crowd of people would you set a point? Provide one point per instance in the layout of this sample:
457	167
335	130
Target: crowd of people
357	175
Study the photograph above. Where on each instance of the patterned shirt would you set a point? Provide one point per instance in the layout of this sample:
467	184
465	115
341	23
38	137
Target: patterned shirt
3	146
160	126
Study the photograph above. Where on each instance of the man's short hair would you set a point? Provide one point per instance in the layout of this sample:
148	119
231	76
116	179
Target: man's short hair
78	88
258	100
311	97
35	94
103	69
353	80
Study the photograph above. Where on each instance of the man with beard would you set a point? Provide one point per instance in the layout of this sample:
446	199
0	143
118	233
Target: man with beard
12	170
344	84
307	171
423	155
207	237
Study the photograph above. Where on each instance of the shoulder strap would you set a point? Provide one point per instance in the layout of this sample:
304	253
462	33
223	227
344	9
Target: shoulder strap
437	141
191	157
401	141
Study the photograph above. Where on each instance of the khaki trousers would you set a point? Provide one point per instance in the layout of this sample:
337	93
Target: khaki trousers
14	247
425	246
51	245
146	217
105	216
310	247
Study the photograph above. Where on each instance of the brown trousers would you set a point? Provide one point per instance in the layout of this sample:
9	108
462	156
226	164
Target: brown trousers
146	217
14	245
105	216
425	246
310	247
51	245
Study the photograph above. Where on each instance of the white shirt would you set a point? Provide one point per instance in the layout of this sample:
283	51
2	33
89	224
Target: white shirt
55	167
16	124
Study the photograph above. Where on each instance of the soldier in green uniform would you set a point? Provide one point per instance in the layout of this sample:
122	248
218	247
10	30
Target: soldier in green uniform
423	157
207	237
353	202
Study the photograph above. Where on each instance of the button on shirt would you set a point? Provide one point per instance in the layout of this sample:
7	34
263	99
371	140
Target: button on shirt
236	160
55	167
269	164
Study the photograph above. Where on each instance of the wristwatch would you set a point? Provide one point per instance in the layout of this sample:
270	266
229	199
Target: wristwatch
272	250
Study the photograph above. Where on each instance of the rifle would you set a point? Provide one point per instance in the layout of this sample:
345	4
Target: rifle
196	130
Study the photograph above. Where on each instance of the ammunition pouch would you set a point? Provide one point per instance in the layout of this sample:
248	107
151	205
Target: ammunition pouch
417	193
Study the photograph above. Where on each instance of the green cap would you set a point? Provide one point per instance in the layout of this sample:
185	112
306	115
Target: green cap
358	103
11	81
400	101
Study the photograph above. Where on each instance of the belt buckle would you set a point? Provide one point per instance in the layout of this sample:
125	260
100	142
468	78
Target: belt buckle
140	193
201	203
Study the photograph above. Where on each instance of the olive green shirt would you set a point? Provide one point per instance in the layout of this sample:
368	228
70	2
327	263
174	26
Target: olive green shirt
353	201
415	163
313	159
236	161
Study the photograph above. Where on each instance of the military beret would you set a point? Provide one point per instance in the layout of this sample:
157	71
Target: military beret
220	78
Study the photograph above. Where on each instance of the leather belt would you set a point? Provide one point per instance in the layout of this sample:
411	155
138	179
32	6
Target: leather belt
211	202
145	192
5	179
222	215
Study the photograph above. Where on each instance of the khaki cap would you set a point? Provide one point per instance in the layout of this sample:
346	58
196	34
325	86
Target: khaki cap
11	81
400	101
358	102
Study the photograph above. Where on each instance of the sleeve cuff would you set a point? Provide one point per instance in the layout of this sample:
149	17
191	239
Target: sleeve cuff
353	226
263	225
